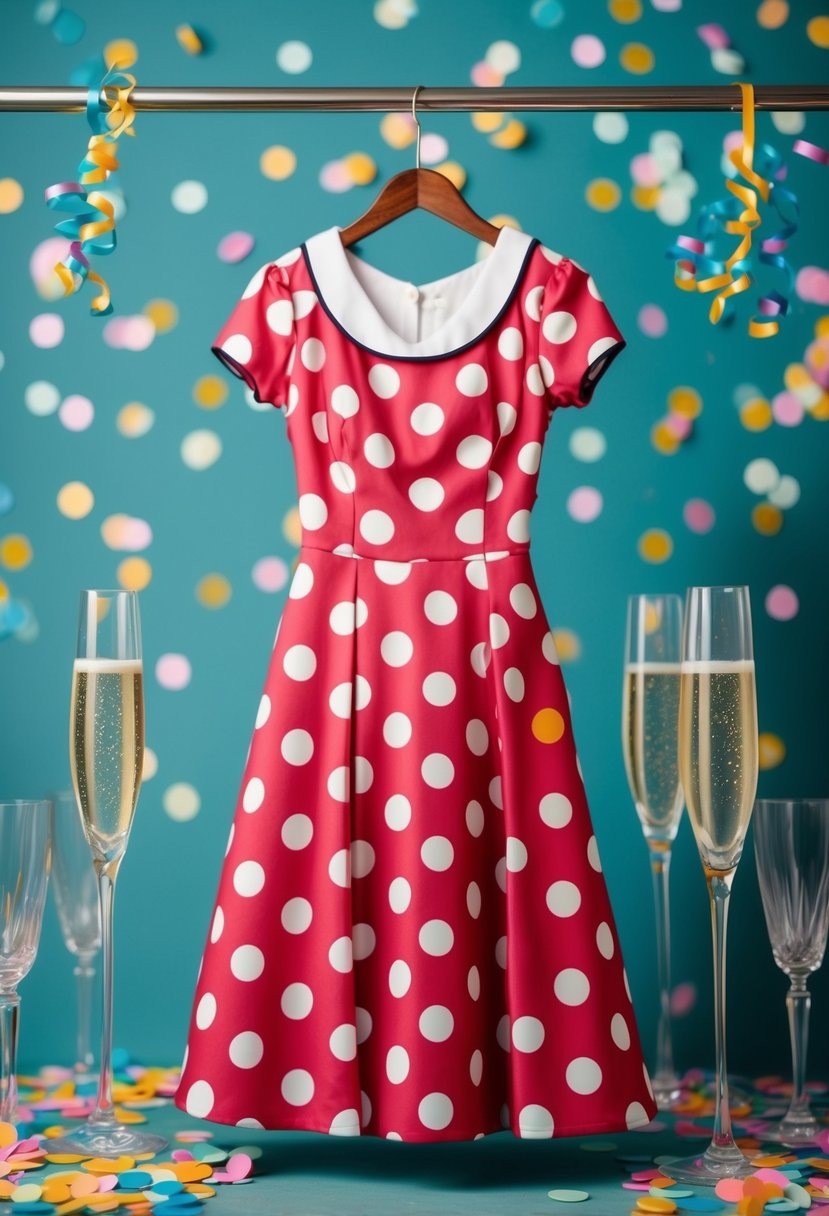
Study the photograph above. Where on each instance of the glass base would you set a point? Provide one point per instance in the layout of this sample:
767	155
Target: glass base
107	1140
667	1090
796	1131
711	1167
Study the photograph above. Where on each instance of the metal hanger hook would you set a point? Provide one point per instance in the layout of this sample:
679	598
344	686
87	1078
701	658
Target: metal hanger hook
414	116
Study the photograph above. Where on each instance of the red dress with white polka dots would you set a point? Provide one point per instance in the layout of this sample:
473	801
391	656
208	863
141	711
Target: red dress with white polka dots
412	936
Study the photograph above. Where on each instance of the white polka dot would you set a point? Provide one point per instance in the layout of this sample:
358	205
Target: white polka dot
248	878
342	617
559	326
280	317
556	810
297	1001
400	978
527	1034
254	795
297	1087
319	422
511	344
439	688
297	746
312	354
238	347
516	854
398	812
437	770
507	417
523	601
346	1123
376	527
636	1116
436	937
529	457
477	736
384	380
364	940
426	493
548	374
598	348
514	684
397	1064
340	698
340	954
498	630
502	1033
473	900
470	526
379	450
246	1049
474	452
471	380
247	963
563	898
426	418
435	1111
344	401
255	284
535	1122
296	915
302	581
583	1075
303	302
474	817
571	986
476	573
339	783
494	485
297	831
343	1041
312	511
363	774
473	983
480	657
604	940
440	607
217	925
518	527
342	476
619	1032
397	729
299	662
199	1101
436	1023
362	858
206	1011
476	1067
548	648
400	895
535	380
532	302
263	712
396	648
437	853
593	855
495	792
392	573
339	868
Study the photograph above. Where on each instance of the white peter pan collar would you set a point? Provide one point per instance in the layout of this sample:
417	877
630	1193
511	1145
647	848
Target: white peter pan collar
481	293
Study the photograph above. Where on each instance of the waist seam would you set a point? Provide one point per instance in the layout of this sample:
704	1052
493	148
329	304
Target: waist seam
493	555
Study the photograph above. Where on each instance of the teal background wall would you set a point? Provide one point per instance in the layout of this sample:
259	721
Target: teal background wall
226	518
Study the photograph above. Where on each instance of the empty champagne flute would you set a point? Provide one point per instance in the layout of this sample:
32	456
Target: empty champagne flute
106	753
75	888
650	711
24	875
791	847
718	765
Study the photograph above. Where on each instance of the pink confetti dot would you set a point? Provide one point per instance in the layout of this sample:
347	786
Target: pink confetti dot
76	412
782	603
585	504
652	321
734	139
235	247
683	999
644	170
679	425
587	51
433	149
699	515
44	256
46	330
173	671
335	178
714	36
812	285
787	409
816	359
270	574
485	76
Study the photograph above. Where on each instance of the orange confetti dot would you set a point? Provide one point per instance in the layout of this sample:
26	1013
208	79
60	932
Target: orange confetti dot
636	57
602	194
685	401
664	439
822	327
655	545
772	14
277	163
567	644
11	195
767	519
75	500
15	554
820	410
213	591
360	168
291	526
652	1203
487	121
135	573
548	725
210	392
625	11
756	414
645	197
162	313
122	51
511	136
455	172
189	40
818	32
771	750
8	1135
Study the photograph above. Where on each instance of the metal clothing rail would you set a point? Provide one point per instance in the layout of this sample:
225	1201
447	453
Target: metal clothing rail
34	98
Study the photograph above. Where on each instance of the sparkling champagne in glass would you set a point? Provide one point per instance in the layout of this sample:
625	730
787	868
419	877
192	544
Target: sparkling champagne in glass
650	710
106	753
718	763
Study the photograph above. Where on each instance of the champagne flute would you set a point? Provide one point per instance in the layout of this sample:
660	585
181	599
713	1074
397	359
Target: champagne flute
25	853
106	752
650	708
791	847
718	763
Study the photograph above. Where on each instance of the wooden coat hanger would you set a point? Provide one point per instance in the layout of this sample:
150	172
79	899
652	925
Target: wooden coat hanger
414	188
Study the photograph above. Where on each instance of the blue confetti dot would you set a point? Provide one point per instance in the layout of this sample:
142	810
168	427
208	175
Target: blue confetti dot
547	13
6	498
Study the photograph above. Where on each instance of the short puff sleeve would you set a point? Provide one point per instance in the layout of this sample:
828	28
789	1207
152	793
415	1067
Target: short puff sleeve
578	337
258	339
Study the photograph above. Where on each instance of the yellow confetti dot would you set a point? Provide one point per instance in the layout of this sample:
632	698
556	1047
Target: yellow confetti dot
210	392
122	51
150	766
5	594
820	410
397	130
636	57
645	197
756	414
664	439
818	32
181	802
189	40
767	519
625	11
213	591
653	1203
291	527
822	327
75	500
487	121
548	725
505	221
134	420
135	573
8	1134
771	750
15	552
602	194
455	172
796	376
655	545
162	313
567	644
511	136
360	168
11	195
653	617
277	163
685	401
772	14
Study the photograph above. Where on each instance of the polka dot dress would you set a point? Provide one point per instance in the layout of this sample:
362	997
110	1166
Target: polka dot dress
412	936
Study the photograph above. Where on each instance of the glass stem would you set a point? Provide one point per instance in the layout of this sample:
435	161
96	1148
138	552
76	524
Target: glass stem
84	979
9	1009
660	869
107	872
798	1003
719	888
